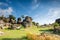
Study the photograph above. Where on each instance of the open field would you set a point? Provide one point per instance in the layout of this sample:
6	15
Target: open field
21	34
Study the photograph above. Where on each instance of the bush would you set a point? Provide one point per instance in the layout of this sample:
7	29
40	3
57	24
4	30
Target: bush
42	37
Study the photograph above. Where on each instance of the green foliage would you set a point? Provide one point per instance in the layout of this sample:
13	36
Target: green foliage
56	24
34	23
19	20
17	34
58	21
23	16
11	17
2	17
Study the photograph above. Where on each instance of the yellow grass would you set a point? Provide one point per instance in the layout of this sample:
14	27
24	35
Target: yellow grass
42	37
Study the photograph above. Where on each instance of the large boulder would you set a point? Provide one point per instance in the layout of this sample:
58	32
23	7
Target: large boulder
57	29
15	26
1	26
18	27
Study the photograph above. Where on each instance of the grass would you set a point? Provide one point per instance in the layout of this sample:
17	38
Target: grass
20	34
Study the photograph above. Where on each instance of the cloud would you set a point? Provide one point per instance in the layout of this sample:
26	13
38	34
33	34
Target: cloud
34	5
5	9
8	1
49	17
6	12
35	1
2	3
52	15
54	12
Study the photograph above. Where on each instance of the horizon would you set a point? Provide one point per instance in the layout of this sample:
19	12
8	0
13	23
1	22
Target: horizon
42	11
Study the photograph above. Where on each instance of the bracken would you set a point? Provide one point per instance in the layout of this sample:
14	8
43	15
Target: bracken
42	37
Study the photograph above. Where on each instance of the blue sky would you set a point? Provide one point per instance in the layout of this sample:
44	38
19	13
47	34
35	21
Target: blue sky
42	11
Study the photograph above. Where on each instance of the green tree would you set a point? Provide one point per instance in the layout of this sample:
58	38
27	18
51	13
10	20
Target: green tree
23	16
34	23
58	21
19	20
2	17
11	19
37	24
56	24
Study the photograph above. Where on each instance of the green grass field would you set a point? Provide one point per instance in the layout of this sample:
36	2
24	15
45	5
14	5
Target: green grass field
20	34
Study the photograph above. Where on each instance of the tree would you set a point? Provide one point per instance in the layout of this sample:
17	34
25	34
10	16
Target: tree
23	16
37	24
19	20
34	23
2	17
11	19
55	24
58	21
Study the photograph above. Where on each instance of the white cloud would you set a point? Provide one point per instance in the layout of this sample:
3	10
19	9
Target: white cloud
8	1
2	3
34	5
35	1
54	12
6	12
49	17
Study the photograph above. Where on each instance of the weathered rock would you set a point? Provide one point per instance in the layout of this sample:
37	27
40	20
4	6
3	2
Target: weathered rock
57	29
18	27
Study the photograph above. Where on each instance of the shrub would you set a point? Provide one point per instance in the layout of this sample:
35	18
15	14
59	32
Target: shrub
42	37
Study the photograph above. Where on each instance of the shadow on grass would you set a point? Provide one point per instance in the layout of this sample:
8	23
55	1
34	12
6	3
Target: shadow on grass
23	38
50	30
47	30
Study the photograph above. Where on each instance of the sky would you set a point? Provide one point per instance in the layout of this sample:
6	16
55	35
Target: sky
42	11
